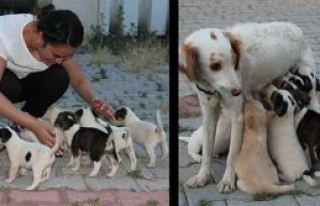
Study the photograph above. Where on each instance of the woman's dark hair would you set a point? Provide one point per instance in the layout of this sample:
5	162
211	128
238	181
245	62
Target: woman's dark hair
60	26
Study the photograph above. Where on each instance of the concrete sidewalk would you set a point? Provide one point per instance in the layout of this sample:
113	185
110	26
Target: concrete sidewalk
196	14
144	92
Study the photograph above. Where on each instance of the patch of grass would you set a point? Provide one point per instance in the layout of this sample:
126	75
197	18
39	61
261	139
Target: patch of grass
103	74
263	197
135	174
152	202
143	94
204	202
142	105
183	129
89	201
159	87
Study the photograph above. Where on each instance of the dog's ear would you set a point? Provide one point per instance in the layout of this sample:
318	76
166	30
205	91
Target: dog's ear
279	105
189	63
109	129
5	134
235	45
301	97
78	114
264	102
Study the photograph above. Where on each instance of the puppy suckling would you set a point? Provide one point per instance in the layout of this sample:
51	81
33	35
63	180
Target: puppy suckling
144	132
254	168
27	155
284	147
195	144
122	140
91	140
307	124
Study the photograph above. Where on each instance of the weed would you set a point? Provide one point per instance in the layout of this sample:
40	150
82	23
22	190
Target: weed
103	74
142	105
204	202
152	202
135	174
263	197
90	201
143	94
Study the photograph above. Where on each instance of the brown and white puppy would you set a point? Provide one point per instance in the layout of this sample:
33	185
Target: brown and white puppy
254	168
284	147
27	155
123	141
233	62
91	140
145	133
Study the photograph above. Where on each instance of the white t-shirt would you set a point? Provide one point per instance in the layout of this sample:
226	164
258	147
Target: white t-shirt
13	47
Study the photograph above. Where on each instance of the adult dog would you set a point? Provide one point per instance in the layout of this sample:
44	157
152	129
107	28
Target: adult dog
223	64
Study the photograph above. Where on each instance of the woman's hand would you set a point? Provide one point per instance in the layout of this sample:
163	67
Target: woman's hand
102	108
44	133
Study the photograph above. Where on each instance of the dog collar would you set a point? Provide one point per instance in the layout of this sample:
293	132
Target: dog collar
208	93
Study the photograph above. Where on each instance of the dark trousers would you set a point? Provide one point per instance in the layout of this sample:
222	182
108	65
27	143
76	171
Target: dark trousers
38	90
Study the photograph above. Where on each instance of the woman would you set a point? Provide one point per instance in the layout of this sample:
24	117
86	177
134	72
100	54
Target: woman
37	66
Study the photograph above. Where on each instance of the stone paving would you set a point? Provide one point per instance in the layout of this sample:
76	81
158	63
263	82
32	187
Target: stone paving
196	14
144	92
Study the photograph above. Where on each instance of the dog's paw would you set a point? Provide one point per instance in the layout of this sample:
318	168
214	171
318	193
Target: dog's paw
75	169
31	187
199	181
226	187
111	174
8	181
70	164
151	165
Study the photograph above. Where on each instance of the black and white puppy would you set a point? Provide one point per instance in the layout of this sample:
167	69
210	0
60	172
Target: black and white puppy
122	138
145	133
27	155
307	124
91	140
283	144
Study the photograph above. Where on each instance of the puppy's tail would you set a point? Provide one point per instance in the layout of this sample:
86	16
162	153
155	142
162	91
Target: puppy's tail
308	177
184	139
159	128
279	189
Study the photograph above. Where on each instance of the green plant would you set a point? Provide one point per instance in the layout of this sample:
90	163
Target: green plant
90	201
263	197
204	202
152	202
135	174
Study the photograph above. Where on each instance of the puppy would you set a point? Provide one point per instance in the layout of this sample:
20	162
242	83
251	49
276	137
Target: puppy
27	155
144	132
254	168
284	147
91	140
123	141
307	124
195	144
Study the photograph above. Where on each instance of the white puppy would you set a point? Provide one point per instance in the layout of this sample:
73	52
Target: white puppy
144	132
254	168
283	143
28	155
87	118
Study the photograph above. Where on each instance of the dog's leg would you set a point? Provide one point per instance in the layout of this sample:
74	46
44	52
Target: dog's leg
96	168
165	148
76	161
204	175
37	174
152	156
70	163
14	168
114	167
227	184
133	159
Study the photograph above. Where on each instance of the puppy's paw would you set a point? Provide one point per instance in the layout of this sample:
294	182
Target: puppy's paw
8	181
151	165
199	180
31	187
164	156
111	174
226	187
70	164
75	169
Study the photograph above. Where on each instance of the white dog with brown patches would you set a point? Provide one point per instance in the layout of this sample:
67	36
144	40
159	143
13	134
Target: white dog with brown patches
223	64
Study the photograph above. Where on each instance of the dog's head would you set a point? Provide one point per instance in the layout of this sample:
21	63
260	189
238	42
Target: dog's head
278	100
5	134
210	58
122	137
65	120
124	115
308	77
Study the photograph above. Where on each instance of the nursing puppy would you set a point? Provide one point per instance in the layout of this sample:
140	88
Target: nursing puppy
123	141
307	124
195	144
254	168
91	140
284	147
144	132
27	155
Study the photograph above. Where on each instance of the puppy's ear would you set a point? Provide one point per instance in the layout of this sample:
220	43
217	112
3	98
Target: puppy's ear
301	97
109	129
279	105
189	63
5	134
78	114
235	45
264	102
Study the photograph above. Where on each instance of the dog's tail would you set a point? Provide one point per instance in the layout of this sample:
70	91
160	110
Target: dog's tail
184	139
317	84
159	128
279	189
309	178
